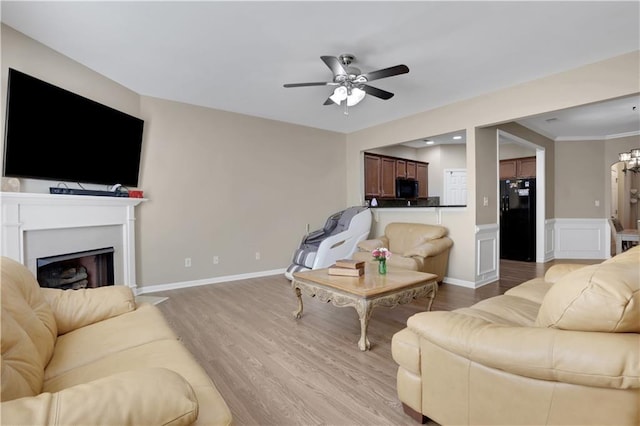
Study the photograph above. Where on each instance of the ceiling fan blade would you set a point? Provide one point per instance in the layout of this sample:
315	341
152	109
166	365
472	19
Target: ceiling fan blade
386	72
319	83
378	93
334	65
328	102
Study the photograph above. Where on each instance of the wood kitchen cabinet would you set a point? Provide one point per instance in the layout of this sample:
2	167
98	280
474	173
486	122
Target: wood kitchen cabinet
518	168
379	176
406	169
380	173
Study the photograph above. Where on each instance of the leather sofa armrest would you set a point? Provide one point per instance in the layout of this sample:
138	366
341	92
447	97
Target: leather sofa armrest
430	248
73	309
153	396
370	245
608	360
556	272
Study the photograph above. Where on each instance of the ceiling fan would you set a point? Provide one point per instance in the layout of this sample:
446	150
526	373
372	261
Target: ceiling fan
351	82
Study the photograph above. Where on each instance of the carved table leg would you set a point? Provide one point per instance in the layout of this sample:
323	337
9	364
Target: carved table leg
297	314
432	296
364	308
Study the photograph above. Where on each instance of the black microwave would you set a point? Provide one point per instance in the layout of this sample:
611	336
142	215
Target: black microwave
406	188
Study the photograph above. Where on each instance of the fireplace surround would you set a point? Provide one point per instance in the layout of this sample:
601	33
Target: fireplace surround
41	225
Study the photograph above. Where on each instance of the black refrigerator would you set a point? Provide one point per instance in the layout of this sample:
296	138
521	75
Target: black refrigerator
518	219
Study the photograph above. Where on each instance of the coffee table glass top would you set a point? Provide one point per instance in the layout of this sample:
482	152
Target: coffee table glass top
369	284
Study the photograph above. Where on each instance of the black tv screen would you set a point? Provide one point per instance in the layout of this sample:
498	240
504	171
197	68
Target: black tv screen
54	134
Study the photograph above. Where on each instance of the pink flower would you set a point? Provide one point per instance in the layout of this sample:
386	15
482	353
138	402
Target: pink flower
381	253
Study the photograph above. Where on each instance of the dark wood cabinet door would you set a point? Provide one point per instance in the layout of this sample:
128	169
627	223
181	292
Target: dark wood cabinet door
411	172
388	178
508	169
372	181
401	168
422	175
527	167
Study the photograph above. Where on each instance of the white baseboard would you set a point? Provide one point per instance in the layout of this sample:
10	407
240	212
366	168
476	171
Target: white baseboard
207	281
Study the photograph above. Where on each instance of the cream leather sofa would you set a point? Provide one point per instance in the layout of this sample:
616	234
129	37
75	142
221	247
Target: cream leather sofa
413	246
89	357
562	349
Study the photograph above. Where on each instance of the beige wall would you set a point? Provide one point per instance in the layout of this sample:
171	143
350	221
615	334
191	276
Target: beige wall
512	150
581	179
441	157
229	185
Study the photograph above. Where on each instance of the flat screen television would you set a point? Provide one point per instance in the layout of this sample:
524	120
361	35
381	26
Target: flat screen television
54	134
406	188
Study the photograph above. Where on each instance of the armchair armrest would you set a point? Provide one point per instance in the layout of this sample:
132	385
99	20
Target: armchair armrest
73	309
608	360
153	396
430	248
372	244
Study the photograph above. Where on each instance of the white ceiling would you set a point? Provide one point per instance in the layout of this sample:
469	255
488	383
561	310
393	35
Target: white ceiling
236	55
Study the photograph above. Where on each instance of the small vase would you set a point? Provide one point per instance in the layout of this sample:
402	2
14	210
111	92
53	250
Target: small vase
382	267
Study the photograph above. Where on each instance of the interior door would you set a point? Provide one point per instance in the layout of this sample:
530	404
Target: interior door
455	187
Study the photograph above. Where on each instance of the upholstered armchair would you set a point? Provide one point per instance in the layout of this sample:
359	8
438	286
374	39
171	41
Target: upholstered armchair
414	246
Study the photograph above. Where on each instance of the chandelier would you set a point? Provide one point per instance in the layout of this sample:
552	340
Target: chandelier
631	160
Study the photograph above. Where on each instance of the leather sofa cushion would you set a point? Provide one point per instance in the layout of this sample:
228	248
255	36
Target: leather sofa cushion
88	344
603	297
28	332
131	397
78	308
167	353
504	310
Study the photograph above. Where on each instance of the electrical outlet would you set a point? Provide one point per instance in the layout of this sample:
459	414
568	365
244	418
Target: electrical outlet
597	203
216	260
187	262
257	255
485	201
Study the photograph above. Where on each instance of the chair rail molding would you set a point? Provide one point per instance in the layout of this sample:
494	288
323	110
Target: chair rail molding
54	217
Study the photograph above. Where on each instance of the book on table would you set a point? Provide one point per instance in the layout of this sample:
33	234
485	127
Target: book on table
346	272
349	263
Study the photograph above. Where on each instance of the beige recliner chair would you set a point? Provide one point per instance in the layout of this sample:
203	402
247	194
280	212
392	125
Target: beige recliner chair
414	246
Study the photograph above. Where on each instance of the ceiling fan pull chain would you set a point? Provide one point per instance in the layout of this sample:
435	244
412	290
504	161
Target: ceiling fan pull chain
346	107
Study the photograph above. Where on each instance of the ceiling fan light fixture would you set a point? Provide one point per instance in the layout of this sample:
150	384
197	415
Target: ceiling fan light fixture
355	97
339	95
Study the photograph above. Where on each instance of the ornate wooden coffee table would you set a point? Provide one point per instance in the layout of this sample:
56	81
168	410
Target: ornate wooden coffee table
365	292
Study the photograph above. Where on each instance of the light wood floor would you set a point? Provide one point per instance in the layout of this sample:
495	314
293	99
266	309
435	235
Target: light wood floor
275	370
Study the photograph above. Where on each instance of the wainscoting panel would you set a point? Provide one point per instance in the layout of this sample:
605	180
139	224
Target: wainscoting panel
487	254
581	239
549	239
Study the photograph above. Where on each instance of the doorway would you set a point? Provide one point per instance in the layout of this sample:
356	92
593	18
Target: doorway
540	207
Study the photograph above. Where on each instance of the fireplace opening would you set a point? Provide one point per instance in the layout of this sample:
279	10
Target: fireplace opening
73	271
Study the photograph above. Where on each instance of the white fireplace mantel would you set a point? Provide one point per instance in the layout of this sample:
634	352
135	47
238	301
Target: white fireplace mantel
25	212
